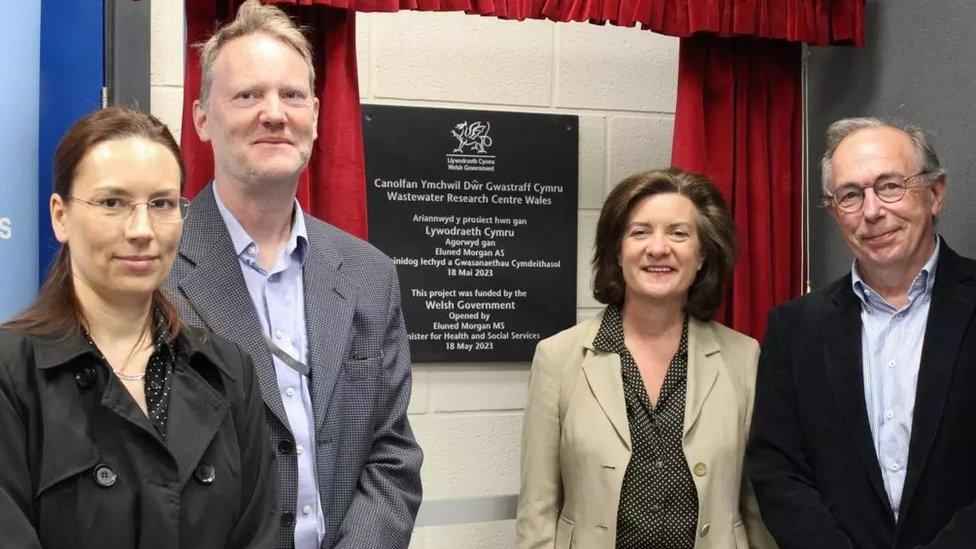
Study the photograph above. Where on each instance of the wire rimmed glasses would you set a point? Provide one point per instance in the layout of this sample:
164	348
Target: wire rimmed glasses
889	189
164	209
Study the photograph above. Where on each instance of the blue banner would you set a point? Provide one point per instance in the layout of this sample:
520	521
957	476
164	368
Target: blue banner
20	32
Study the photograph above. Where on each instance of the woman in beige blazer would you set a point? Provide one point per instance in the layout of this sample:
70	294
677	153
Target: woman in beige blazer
637	419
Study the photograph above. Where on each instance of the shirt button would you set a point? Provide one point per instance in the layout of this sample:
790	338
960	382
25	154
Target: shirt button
700	469
279	334
889	415
299	449
894	466
290	392
704	529
307	510
891	364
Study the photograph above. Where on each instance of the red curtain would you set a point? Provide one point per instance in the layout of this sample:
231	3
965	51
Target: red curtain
738	122
820	22
332	187
737	119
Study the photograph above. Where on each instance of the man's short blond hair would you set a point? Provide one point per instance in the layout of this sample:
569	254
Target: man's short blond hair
253	17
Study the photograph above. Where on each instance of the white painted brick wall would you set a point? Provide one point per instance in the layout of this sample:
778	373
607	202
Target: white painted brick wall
615	68
622	84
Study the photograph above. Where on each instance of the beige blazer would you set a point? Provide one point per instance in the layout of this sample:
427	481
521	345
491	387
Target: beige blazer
576	441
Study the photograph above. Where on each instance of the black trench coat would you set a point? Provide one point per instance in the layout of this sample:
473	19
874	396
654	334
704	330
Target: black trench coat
82	466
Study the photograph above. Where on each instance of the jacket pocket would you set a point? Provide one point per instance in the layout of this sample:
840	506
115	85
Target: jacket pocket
564	533
741	539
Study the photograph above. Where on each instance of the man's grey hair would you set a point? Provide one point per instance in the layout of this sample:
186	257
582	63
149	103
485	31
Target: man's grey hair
928	160
253	17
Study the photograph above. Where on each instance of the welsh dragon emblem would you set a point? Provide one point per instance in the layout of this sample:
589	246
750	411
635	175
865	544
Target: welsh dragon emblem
472	137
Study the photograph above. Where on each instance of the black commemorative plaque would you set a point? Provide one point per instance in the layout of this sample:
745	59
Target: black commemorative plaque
478	210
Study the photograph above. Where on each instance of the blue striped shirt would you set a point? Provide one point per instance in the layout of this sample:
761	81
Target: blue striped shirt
891	352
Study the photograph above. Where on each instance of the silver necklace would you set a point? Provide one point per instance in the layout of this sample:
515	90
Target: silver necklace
130	377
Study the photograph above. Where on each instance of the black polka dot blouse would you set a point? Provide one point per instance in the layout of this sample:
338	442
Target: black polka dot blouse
158	370
658	502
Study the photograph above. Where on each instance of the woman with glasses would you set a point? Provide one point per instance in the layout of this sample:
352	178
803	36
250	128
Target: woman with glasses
121	426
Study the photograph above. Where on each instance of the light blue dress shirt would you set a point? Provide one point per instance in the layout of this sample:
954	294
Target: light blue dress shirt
279	300
891	353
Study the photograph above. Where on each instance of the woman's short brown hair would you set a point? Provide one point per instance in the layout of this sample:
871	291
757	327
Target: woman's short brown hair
716	234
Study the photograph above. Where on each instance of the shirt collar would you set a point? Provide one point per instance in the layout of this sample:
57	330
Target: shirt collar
610	337
55	350
922	284
296	246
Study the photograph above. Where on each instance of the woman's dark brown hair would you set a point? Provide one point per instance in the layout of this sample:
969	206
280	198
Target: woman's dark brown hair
56	312
716	234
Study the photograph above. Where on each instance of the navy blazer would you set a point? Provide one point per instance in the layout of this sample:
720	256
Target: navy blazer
367	459
811	458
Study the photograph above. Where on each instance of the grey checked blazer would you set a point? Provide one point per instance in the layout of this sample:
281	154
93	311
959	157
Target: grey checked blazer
368	461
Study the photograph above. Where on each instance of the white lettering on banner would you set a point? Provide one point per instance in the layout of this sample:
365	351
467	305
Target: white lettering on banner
6	225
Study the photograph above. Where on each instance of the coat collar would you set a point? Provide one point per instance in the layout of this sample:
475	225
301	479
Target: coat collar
216	290
843	358
54	351
950	317
604	375
704	363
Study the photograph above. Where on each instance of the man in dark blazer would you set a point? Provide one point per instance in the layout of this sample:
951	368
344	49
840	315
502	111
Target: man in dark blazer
864	431
317	309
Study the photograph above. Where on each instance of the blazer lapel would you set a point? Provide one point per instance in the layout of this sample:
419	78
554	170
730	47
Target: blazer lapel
330	304
605	377
950	314
842	354
216	291
704	362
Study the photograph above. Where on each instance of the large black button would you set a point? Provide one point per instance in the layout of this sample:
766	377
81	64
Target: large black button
286	447
205	473
287	518
85	377
105	476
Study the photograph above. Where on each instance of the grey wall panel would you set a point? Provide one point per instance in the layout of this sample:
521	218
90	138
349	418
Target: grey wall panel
127	26
919	65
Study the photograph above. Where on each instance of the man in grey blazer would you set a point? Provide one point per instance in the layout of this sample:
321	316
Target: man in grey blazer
317	309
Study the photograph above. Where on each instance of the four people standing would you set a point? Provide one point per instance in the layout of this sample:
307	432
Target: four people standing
637	419
865	425
141	430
